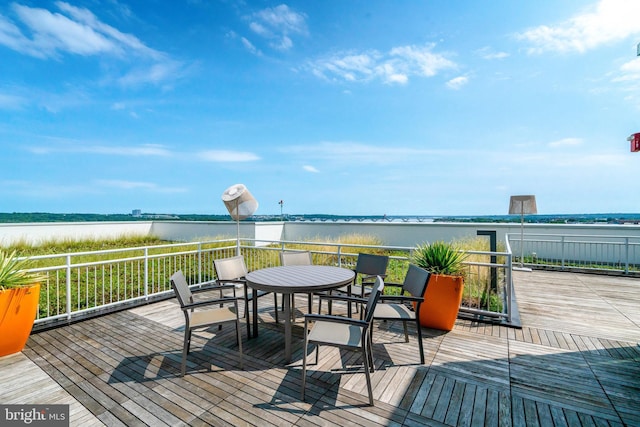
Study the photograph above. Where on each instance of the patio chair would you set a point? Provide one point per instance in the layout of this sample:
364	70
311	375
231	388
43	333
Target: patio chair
401	307
296	258
233	271
343	332
225	312
368	267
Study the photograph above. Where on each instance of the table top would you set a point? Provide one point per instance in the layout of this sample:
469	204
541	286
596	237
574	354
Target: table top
299	278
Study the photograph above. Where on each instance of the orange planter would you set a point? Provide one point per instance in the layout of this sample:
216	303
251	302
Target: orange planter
18	309
441	302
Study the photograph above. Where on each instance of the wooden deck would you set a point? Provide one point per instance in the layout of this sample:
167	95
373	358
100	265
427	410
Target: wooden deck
575	362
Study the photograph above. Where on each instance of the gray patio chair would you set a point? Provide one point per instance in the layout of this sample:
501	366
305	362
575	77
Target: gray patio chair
296	258
368	267
400	307
233	270
225	312
343	332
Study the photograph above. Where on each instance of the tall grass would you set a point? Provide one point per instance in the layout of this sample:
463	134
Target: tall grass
69	245
85	293
480	291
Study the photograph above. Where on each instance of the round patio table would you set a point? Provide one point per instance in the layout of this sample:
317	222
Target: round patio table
295	279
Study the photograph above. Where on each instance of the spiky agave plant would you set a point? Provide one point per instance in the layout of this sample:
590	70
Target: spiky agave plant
440	258
13	272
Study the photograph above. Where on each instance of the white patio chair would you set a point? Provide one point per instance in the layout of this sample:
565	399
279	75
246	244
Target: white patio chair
225	312
296	258
343	332
400	307
233	270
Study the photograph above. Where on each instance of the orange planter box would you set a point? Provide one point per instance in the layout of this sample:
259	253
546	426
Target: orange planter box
18	309
441	302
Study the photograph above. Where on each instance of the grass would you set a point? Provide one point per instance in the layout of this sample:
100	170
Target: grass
60	246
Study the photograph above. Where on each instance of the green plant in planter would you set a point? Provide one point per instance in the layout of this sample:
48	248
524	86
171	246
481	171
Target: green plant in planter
444	290
13	272
19	296
440	258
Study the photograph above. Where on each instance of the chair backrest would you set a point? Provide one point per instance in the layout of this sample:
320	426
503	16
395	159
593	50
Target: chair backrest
230	268
181	288
372	265
295	258
415	282
376	292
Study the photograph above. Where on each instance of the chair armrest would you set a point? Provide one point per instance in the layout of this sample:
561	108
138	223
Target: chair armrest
343	298
400	298
240	281
212	288
393	285
210	302
335	319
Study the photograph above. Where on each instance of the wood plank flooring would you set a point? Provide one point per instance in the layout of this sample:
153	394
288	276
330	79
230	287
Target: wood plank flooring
575	362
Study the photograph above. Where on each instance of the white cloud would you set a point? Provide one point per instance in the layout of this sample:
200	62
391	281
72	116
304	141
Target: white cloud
608	21
135	185
277	24
227	156
250	47
143	150
156	74
489	54
566	142
310	168
458	82
396	66
77	31
11	102
348	152
629	72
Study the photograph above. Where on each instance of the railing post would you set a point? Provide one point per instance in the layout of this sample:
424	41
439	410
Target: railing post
339	256
199	262
562	252
68	285
508	286
146	273
626	250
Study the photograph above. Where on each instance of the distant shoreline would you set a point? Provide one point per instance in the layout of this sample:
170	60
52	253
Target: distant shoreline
603	218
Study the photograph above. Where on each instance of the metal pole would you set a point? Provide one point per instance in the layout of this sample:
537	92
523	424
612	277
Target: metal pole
522	235
237	230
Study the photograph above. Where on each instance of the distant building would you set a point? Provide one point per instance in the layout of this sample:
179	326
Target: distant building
136	213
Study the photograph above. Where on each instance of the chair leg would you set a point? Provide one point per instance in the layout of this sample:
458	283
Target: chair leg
406	333
246	310
365	357
310	303
239	338
419	328
304	362
185	350
370	352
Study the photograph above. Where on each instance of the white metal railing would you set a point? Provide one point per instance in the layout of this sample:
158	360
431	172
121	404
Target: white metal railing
83	284
585	252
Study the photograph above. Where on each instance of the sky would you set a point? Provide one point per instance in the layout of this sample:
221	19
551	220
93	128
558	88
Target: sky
426	107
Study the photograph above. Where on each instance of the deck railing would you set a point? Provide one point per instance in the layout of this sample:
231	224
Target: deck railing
85	284
612	254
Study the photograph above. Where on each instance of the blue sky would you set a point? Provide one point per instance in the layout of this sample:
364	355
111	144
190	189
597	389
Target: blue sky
338	107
